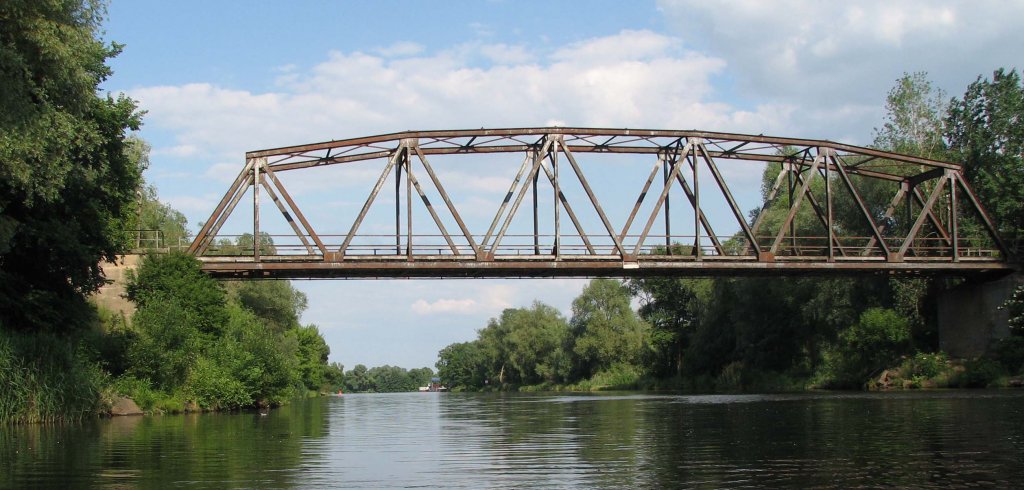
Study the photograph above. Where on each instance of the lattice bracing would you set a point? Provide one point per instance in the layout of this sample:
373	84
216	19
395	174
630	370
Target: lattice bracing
560	217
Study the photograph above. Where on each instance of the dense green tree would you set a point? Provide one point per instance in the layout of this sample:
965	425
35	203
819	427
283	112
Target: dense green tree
420	376
159	226
334	376
984	130
177	277
390	379
672	307
195	341
525	345
67	181
276	302
463	365
867	347
604	330
245	366
312	356
357	379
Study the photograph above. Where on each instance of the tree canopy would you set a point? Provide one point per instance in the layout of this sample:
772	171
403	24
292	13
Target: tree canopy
67	179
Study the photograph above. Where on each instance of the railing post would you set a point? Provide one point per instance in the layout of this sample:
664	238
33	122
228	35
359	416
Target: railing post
257	166
694	143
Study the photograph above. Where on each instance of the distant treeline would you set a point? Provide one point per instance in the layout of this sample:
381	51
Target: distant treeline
385	379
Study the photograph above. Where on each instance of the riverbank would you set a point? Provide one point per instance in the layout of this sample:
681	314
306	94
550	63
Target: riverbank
922	371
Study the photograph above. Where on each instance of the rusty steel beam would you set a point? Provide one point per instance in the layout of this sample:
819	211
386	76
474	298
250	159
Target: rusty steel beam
684	266
519	148
487	256
298	213
642	133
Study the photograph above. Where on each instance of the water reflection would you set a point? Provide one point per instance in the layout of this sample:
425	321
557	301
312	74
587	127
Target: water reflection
947	439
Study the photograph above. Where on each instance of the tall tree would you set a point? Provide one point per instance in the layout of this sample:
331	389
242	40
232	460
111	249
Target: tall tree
604	329
985	130
914	122
67	181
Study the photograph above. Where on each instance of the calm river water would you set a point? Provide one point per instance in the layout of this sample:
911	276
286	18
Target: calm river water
918	439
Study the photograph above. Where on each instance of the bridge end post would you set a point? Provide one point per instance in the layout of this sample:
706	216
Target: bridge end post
971	316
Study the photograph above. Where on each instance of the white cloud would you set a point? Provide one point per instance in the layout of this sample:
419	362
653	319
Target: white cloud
176	151
625	46
444	306
490	300
400	49
644	79
842	56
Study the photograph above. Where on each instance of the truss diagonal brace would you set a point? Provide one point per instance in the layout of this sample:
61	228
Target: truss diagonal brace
508	198
728	196
369	200
225	207
287	215
983	215
796	205
519	198
569	211
863	209
298	213
673	175
691	196
447	200
642	196
822	215
593	200
924	213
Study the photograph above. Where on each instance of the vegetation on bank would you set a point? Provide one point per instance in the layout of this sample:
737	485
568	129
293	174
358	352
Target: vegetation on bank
71	196
197	343
785	333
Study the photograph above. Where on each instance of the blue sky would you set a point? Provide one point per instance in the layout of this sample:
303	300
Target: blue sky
221	78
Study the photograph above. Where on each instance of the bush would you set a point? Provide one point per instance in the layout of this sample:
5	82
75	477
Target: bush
146	397
212	386
979	373
925	365
875	342
1010	353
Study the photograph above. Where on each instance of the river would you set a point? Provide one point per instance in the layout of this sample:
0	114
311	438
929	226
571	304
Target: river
411	440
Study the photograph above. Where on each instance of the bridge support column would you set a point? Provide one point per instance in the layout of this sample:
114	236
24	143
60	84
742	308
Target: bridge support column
112	295
970	317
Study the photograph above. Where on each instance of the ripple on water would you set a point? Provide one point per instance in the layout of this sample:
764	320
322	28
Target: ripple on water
816	440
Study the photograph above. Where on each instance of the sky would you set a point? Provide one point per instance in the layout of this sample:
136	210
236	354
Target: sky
217	79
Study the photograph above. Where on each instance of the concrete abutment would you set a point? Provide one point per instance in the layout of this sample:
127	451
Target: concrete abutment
971	316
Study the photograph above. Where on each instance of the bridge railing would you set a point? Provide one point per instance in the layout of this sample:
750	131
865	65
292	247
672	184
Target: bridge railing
542	246
150	241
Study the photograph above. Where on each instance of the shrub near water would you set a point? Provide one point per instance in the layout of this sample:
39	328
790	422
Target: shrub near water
195	342
867	347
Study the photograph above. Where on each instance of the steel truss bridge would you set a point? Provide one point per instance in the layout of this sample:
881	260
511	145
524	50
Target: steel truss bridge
931	222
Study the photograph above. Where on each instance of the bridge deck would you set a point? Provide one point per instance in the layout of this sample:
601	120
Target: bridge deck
399	266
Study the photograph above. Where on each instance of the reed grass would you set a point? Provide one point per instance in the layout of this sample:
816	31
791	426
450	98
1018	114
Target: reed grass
46	378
